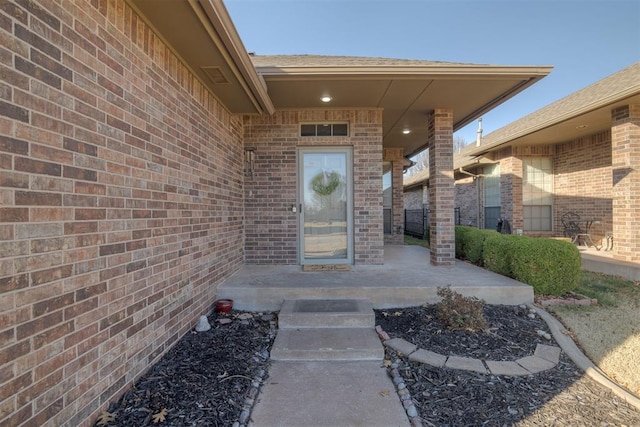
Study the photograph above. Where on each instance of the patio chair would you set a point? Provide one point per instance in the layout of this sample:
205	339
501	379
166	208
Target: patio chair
571	224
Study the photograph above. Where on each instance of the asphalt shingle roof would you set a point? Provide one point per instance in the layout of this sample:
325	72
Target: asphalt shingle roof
617	86
312	61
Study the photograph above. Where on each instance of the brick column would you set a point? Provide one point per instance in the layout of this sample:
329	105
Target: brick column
511	192
441	189
396	157
625	162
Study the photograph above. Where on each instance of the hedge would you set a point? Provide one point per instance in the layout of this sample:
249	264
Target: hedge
497	253
471	243
551	267
461	235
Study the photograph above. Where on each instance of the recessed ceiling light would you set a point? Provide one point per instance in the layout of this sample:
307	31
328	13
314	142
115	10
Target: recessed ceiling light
326	98
406	131
582	126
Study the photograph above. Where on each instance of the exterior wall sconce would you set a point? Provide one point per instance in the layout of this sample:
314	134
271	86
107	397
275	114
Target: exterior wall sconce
249	160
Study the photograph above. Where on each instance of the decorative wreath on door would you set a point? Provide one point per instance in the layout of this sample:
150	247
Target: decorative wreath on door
325	182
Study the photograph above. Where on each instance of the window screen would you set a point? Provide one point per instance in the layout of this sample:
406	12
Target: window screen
537	193
491	196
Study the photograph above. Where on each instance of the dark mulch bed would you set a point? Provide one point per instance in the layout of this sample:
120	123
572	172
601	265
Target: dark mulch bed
204	379
561	396
511	334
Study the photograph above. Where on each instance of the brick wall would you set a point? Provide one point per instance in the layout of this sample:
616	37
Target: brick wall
271	227
625	175
466	196
120	205
511	190
441	188
396	157
582	181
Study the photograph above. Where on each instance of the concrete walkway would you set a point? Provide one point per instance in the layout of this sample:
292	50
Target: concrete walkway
353	393
328	369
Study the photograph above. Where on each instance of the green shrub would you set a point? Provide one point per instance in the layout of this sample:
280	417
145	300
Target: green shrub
461	234
473	244
458	312
497	252
552	267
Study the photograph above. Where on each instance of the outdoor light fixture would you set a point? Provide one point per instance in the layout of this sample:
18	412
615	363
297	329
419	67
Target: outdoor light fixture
249	159
326	98
406	131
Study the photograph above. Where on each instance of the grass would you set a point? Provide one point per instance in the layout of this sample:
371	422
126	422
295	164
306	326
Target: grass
609	332
409	240
608	290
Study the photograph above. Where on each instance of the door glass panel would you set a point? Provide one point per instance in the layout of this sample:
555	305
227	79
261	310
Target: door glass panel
387	197
324	195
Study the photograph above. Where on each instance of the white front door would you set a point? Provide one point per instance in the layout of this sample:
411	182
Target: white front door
325	189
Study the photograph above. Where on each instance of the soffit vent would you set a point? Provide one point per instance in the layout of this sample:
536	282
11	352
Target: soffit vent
216	75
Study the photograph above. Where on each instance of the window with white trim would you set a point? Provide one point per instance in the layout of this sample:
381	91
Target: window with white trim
537	193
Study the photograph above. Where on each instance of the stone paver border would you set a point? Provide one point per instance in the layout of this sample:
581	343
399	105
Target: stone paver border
544	357
543	354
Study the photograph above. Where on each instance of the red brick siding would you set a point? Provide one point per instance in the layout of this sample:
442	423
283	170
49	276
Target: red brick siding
582	183
441	188
271	227
511	190
121	205
626	181
397	227
466	196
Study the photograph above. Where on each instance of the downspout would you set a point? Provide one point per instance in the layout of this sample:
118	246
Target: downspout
477	181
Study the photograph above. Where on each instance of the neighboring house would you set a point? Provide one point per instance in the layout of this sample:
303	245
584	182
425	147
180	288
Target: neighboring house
145	156
580	154
416	191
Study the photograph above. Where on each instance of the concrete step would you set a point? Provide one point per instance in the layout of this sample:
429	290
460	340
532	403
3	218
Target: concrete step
326	313
324	344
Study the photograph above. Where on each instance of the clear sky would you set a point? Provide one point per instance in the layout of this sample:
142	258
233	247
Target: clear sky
585	40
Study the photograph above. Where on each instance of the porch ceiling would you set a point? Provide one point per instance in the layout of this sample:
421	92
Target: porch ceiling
202	35
407	90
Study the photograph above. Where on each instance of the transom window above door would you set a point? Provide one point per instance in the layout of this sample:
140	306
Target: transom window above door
324	129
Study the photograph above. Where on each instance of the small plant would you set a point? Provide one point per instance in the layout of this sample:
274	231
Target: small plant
459	312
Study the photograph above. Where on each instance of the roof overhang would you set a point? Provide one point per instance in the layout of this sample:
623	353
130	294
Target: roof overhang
406	93
203	36
578	115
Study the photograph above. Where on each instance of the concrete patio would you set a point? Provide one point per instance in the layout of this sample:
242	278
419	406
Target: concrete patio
601	261
405	279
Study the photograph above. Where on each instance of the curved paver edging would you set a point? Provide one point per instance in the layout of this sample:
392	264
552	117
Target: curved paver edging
545	357
571	349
